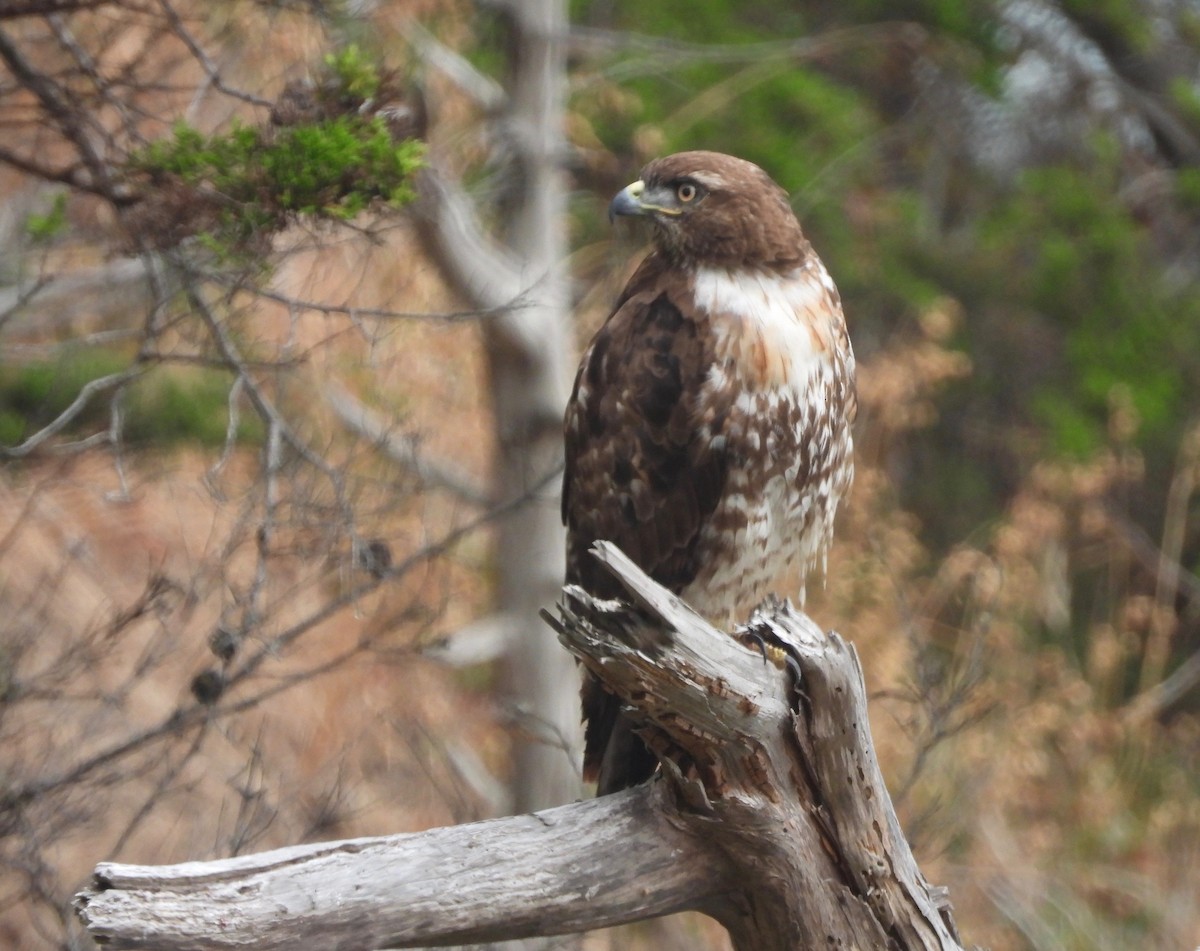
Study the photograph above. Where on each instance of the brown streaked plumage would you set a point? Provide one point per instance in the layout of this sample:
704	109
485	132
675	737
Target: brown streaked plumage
708	434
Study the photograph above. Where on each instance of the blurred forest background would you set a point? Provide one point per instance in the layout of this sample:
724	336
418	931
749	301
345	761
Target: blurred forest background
279	397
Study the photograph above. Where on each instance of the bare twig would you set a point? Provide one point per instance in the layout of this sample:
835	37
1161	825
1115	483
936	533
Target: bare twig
485	92
111	381
651	55
72	122
402	448
372	313
1139	544
1175	523
15	9
262	404
205	61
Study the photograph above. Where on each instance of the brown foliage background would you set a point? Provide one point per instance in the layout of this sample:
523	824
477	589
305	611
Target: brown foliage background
1060	812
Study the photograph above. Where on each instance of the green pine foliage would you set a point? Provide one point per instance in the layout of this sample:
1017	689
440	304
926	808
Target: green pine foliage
248	181
355	72
44	227
334	169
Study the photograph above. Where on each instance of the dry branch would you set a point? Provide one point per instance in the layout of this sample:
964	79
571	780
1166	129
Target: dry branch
558	871
770	814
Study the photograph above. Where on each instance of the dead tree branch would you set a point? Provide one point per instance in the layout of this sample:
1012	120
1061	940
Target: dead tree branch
14	9
403	448
554	872
770	814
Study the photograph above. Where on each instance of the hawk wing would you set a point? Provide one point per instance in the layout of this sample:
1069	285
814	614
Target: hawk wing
646	466
645	461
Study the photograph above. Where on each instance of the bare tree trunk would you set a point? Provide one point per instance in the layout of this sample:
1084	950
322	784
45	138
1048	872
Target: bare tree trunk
530	387
529	351
770	815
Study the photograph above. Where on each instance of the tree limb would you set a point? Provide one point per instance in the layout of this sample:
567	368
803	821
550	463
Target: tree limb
785	773
484	91
553	872
477	267
770	814
14	9
72	122
402	448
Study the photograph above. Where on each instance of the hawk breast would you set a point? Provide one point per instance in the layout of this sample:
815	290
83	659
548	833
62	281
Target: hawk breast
780	349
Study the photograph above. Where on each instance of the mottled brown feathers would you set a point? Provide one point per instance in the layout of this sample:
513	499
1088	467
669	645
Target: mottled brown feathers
708	433
638	473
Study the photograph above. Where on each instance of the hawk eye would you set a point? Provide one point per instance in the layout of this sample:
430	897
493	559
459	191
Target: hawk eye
686	192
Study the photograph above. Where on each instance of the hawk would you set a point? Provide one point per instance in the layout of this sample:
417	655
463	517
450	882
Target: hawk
708	433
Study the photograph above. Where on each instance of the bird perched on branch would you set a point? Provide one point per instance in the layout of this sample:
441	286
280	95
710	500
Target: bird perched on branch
708	433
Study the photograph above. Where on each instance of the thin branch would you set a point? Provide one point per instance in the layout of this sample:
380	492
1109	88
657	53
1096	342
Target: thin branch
483	272
15	9
373	313
485	92
272	454
123	277
1166	571
265	407
159	788
1175	522
184	717
64	419
89	68
206	63
402	448
1160	698
98	338
12	302
232	424
657	54
64	175
61	111
356	593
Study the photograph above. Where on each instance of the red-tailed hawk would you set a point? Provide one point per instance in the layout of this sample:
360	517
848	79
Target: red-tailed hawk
708	434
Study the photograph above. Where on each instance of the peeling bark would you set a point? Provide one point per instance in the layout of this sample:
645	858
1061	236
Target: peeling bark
769	814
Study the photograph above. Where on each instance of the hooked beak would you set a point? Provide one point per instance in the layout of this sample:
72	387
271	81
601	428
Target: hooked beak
637	199
627	201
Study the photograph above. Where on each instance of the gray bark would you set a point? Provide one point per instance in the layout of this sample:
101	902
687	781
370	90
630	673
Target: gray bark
770	814
520	277
562	870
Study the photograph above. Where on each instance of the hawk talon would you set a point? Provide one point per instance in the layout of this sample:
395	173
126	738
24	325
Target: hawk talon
770	652
755	640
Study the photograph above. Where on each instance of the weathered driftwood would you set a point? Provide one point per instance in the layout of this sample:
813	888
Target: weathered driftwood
770	814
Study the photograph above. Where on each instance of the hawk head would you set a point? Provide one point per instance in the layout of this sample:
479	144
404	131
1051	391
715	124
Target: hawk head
714	209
